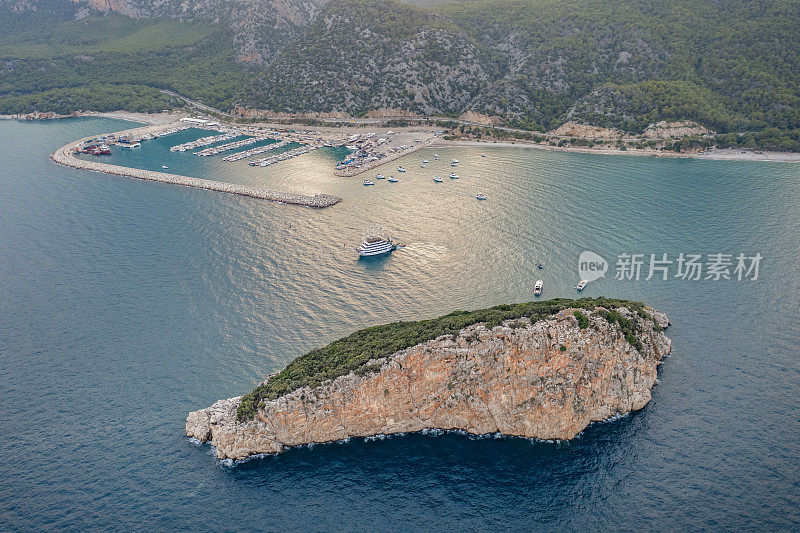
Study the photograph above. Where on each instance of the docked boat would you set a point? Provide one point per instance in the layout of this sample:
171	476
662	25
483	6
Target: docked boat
480	196
401	168
380	177
392	179
367	182
375	243
537	289
127	143
582	285
453	176
437	179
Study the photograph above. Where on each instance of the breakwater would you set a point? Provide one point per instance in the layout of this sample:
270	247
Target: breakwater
66	156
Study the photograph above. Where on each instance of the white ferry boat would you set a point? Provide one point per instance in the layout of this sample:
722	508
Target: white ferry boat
392	179
480	196
401	168
537	289
375	243
453	176
367	182
437	179
582	285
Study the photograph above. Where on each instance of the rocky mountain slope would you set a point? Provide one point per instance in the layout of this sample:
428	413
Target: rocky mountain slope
548	379
537	64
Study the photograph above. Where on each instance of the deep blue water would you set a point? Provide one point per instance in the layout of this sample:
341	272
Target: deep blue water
125	304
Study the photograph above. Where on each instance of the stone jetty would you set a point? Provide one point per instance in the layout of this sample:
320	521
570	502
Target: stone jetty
355	170
66	156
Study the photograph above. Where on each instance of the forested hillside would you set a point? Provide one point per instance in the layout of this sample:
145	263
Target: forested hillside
728	65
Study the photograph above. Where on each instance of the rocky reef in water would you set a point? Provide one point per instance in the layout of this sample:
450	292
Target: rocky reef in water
548	379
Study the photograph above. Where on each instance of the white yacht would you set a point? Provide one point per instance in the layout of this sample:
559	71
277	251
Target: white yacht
401	168
582	285
480	196
537	289
453	176
392	179
380	177
375	243
367	182
424	161
437	179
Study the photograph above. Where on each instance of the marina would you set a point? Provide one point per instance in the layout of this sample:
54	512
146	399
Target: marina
227	147
203	141
66	155
254	151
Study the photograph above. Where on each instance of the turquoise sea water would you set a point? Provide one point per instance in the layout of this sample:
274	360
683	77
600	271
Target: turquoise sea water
125	304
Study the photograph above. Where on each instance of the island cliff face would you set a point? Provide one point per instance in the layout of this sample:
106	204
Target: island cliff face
545	380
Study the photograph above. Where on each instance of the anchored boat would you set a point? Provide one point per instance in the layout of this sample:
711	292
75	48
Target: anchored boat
582	285
376	242
537	289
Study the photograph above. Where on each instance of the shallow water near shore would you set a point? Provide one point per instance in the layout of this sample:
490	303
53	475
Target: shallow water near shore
125	304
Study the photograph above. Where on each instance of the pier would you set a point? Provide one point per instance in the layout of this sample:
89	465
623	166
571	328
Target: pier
375	161
66	156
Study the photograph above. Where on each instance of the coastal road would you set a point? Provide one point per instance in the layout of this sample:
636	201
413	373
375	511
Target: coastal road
198	105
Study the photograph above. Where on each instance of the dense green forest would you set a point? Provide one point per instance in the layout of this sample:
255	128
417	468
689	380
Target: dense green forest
111	62
728	65
354	352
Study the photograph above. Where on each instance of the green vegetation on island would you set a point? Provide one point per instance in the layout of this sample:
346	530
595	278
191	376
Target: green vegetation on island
354	352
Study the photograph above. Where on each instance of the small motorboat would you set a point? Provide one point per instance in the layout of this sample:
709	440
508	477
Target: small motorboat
453	176
367	182
582	285
483	155
380	177
480	196
422	165
392	179
437	179
436	157
425	161
164	166
537	289
401	168
539	266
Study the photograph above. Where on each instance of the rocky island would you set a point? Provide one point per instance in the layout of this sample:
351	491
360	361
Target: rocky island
540	370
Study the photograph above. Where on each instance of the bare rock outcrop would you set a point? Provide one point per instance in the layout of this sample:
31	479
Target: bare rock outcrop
546	380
